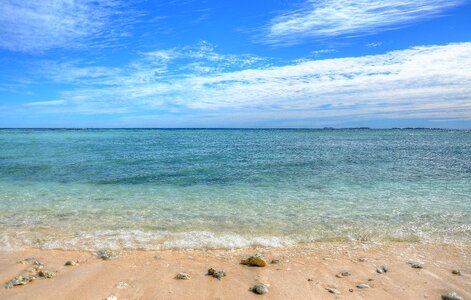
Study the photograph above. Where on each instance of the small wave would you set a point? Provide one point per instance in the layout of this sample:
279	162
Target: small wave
137	239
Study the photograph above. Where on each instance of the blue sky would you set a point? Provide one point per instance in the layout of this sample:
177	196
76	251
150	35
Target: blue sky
184	63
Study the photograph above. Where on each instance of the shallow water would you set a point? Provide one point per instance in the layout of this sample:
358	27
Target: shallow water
153	189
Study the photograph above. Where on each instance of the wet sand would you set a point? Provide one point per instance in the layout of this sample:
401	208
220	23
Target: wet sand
303	272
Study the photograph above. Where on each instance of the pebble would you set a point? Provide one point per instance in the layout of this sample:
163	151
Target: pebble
361	259
350	290
343	274
219	275
260	288
362	286
46	274
183	276
417	266
211	272
112	297
451	296
456	272
256	260
71	263
333	290
105	254
382	269
275	261
19	280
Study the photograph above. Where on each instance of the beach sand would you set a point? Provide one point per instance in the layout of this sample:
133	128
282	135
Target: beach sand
303	272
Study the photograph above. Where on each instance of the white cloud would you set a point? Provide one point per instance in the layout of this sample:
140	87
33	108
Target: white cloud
421	82
32	26
332	18
46	103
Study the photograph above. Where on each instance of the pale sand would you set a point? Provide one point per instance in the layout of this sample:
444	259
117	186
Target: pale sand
150	274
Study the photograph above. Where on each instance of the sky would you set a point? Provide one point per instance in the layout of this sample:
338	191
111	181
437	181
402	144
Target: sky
218	64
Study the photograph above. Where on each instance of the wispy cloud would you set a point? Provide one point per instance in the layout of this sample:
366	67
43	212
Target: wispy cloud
333	18
46	103
420	82
35	26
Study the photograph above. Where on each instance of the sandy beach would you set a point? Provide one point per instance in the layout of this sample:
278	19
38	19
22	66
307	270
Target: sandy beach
298	272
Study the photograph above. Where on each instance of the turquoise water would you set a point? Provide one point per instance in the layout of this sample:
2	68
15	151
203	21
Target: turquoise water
154	189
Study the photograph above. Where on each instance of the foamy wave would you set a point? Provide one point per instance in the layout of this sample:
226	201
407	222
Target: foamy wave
137	239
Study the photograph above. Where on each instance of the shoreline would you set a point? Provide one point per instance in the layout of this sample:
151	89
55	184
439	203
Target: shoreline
304	271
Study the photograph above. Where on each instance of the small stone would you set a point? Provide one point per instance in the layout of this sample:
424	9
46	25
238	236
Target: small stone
260	289
183	276
105	254
456	272
19	280
362	286
112	297
256	260
343	274
417	265
361	259
350	290
219	275
211	272
46	274
310	279
275	261
370	279
382	269
332	290
451	296
37	263
71	263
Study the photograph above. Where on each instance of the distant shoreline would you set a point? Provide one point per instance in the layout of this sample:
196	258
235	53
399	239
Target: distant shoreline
236	128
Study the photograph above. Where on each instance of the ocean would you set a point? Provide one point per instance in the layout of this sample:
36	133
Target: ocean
232	188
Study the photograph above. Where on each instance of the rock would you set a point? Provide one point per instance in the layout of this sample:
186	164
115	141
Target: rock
275	261
451	296
332	290
417	266
105	254
456	272
46	274
260	288
382	269
211	272
183	276
19	280
362	286
112	297
310	279
256	260
343	274
361	259
350	290
71	263
370	279
219	275
37	263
